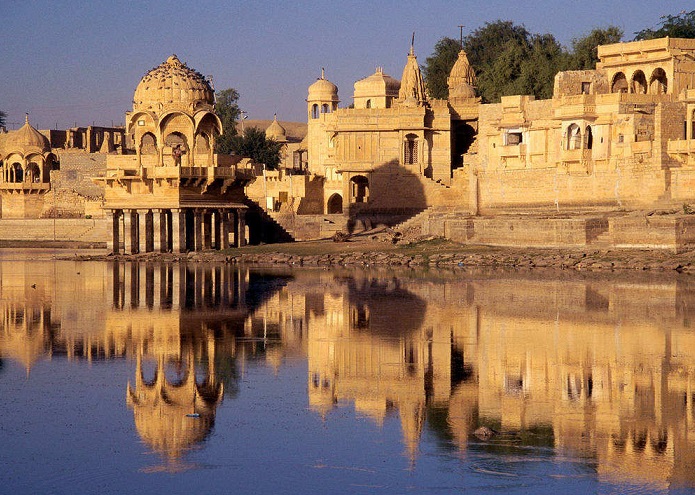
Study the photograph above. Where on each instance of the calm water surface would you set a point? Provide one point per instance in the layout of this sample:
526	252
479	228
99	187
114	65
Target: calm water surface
156	378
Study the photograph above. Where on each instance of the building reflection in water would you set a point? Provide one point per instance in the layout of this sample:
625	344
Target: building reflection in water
591	366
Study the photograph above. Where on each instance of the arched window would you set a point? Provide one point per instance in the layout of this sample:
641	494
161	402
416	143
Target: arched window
16	173
658	84
202	143
588	138
410	150
574	137
148	144
619	83
325	108
359	187
368	104
335	204
314	111
639	83
33	173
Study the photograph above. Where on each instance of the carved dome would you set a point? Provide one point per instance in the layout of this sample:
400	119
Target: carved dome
462	80
173	86
276	132
25	139
323	90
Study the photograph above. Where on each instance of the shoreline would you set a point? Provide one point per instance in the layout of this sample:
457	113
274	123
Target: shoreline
432	252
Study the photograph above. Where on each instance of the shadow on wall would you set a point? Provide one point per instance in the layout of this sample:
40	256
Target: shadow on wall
388	195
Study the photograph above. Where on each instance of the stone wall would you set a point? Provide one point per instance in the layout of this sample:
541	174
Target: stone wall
73	194
57	232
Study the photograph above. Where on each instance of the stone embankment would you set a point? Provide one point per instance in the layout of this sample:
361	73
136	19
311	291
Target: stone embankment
442	255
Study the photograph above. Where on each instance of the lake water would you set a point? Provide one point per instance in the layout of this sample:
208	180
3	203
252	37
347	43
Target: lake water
159	378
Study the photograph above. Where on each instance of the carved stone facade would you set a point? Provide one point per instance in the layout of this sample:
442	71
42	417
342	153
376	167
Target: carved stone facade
173	194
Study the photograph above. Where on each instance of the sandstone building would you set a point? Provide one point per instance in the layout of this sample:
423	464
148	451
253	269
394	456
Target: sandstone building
174	193
610	141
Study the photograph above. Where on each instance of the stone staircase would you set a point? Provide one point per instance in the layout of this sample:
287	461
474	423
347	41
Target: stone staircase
264	226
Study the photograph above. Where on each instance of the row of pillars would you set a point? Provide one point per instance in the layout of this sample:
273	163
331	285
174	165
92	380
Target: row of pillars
175	230
167	287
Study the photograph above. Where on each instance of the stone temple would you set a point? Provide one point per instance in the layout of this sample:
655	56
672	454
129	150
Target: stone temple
174	193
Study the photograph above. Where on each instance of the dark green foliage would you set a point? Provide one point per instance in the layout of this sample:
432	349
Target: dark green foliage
585	49
675	26
3	117
508	60
438	66
253	144
228	111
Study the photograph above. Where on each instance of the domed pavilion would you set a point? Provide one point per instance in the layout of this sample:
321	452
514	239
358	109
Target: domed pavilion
26	161
175	193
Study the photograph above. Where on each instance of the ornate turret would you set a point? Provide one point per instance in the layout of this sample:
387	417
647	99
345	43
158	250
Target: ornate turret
276	132
412	90
27	160
322	98
462	80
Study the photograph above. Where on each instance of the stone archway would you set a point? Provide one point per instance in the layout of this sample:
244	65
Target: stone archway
359	189
335	204
658	83
619	84
639	83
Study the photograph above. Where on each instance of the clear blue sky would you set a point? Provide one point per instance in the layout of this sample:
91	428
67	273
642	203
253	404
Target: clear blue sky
68	62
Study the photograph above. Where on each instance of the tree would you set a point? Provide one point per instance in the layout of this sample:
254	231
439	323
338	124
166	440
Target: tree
509	60
3	117
675	26
584	54
438	66
253	144
228	111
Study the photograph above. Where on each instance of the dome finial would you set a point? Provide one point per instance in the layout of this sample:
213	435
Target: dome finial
26	118
412	45
323	73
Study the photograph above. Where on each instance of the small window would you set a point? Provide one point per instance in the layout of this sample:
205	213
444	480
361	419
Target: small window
141	122
621	138
315	111
410	150
325	108
368	104
513	138
586	88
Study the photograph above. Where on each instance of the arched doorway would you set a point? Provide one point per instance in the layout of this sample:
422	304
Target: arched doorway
658	84
588	138
359	188
148	144
639	83
619	84
574	138
335	204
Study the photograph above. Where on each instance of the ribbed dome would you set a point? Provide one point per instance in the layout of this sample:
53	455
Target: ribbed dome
172	85
462	78
26	138
378	84
323	90
276	132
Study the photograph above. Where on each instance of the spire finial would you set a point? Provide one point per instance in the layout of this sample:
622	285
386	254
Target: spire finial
26	118
461	26
323	73
412	44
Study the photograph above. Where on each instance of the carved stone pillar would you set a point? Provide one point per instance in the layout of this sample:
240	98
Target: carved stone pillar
178	231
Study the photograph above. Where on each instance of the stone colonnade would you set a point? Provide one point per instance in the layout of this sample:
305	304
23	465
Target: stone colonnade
161	230
170	287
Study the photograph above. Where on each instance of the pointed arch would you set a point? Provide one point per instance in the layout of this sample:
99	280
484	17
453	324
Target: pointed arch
335	204
639	83
658	82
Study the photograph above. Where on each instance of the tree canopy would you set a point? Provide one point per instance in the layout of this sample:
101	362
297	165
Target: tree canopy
681	25
509	60
253	144
228	111
3	117
585	49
